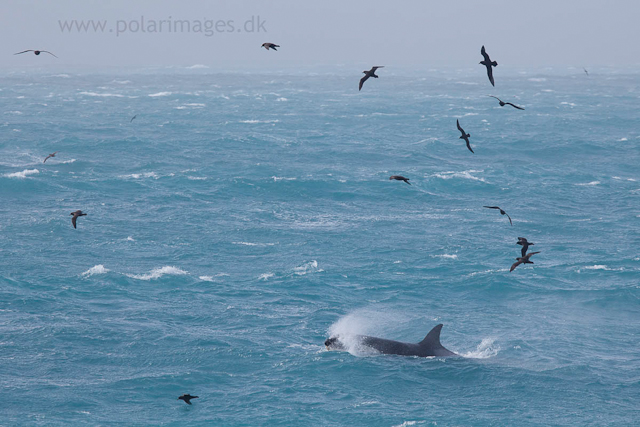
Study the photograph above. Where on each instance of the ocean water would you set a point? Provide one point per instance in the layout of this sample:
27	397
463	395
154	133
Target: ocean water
242	218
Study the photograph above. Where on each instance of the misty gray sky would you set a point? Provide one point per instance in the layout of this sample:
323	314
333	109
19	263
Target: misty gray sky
422	32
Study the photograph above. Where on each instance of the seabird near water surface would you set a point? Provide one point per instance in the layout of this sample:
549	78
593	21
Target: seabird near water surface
488	63
187	398
400	178
50	155
501	213
523	260
369	73
464	136
76	214
525	245
502	103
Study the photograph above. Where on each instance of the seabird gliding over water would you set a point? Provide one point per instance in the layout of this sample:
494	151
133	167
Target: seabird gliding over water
525	245
370	73
76	214
50	155
400	178
502	103
464	136
523	260
133	118
37	52
187	398
270	45
501	213
488	63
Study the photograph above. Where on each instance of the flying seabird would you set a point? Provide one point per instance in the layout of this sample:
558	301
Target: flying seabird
133	118
270	45
585	71
525	245
487	63
464	136
50	155
367	74
400	178
502	103
76	214
37	52
523	260
501	213
187	398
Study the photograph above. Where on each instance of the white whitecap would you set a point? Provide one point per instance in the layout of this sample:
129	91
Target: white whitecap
96	269
156	273
22	174
102	94
160	94
589	183
265	276
485	349
447	256
307	267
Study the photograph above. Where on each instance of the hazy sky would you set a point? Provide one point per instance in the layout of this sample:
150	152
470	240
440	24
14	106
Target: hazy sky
428	33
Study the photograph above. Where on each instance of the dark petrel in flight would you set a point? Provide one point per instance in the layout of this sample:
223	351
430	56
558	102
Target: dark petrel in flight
76	214
370	73
525	245
187	398
37	52
523	260
501	213
400	178
464	136
585	71
270	46
50	155
133	118
502	103
488	63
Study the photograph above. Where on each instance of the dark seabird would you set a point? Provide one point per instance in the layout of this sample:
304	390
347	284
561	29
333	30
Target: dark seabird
501	213
50	155
585	71
76	214
187	398
37	52
464	136
133	118
525	245
502	103
400	178
370	73
487	63
523	260
270	45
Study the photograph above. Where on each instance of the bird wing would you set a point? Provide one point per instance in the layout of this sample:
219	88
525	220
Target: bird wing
492	207
73	220
24	51
46	51
514	106
510	222
484	54
373	69
362	80
490	74
460	127
45	160
530	254
515	264
469	145
133	118
522	239
495	97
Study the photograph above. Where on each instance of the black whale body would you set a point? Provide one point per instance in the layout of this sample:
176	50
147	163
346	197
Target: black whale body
428	347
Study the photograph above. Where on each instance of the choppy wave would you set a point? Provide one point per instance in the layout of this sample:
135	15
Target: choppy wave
159	94
464	175
22	174
115	95
157	273
485	350
96	269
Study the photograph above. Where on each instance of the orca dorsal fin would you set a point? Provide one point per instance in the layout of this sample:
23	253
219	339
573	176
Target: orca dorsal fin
432	339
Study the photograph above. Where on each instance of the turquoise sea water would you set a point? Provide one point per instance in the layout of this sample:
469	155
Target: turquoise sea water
243	218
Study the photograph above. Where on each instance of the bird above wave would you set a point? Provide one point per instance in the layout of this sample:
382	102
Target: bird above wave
400	178
523	260
464	136
525	245
502	103
76	214
187	398
49	156
369	73
489	64
501	213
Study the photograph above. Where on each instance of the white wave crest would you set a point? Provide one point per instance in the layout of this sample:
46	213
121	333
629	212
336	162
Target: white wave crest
102	94
253	244
265	276
308	267
22	174
156	273
96	269
258	121
143	175
589	183
160	94
196	67
277	178
447	256
463	174
485	350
